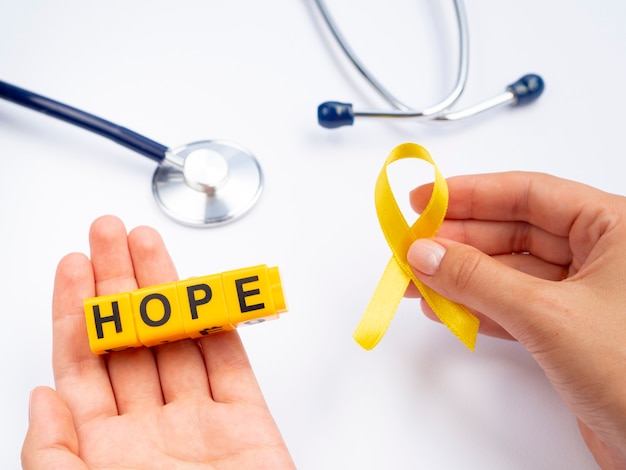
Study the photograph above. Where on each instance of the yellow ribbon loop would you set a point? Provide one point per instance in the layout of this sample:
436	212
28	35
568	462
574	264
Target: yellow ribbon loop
398	274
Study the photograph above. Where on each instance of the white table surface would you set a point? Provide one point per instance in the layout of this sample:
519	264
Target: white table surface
254	72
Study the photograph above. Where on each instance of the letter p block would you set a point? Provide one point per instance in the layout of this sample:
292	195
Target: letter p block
202	306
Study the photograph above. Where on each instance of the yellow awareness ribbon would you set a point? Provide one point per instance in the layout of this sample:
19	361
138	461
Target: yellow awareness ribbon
398	273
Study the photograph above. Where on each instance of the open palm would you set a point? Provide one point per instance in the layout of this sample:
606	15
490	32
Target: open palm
185	404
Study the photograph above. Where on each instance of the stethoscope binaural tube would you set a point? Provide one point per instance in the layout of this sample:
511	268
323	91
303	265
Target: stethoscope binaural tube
204	184
333	114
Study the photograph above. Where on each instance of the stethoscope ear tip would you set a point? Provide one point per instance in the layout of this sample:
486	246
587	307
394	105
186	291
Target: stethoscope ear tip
527	89
333	114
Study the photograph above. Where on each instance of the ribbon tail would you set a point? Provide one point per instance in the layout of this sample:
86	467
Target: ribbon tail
382	306
456	317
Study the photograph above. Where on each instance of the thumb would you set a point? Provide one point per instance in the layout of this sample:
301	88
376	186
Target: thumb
467	276
51	441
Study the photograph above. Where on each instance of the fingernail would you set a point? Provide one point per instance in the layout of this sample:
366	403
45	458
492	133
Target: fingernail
425	255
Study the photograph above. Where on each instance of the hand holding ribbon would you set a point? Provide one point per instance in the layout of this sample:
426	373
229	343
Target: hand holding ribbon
398	274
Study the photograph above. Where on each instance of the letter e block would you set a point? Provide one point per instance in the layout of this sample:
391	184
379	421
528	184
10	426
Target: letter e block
157	314
202	305
248	295
110	323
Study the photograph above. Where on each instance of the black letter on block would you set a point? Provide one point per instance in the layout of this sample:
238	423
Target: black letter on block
115	317
167	309
193	302
242	294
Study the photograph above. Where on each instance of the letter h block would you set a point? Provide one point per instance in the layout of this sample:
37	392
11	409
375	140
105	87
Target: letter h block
110	323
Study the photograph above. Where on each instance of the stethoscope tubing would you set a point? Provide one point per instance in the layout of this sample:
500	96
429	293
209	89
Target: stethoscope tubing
222	182
121	135
333	114
402	109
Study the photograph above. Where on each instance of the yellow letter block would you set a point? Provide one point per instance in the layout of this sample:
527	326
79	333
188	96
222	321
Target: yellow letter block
185	309
253	295
157	314
110	323
202	301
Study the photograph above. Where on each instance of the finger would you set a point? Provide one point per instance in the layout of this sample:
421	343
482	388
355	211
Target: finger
530	197
525	263
153	264
51	440
514	300
495	238
112	264
230	373
135	379
182	370
537	267
598	448
412	292
133	373
180	363
81	377
487	327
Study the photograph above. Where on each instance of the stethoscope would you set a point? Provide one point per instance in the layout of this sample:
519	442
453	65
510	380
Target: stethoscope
332	114
203	184
213	182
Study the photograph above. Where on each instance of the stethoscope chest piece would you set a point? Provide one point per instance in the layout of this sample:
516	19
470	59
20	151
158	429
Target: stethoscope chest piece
207	183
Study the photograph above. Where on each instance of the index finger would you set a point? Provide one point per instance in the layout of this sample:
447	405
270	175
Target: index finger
77	372
83	379
542	200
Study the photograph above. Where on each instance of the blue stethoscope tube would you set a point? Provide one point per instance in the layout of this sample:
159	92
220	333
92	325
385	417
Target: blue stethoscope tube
202	184
95	124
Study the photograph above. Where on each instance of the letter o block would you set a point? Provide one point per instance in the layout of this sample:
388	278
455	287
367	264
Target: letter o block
157	314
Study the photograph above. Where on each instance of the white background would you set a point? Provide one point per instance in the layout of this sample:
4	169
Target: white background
254	72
